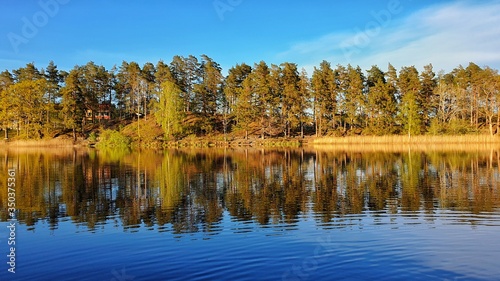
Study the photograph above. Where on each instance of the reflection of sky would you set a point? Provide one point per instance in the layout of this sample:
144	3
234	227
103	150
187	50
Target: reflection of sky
457	245
443	245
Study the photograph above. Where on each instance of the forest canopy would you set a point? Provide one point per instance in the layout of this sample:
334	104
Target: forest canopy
190	96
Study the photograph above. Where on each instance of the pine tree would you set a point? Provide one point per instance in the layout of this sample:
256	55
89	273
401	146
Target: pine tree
324	92
233	85
148	72
410	108
304	100
54	80
246	110
381	104
273	122
427	97
207	94
73	102
262	96
354	92
6	106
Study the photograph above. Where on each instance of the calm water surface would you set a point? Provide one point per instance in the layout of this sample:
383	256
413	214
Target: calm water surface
251	214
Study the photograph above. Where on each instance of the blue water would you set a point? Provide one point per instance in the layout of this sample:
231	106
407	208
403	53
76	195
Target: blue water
364	247
446	238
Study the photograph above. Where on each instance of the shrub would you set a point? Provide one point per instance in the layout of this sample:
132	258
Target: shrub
437	128
113	139
92	137
459	127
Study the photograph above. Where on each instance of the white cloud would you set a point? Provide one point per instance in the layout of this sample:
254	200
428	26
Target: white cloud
444	35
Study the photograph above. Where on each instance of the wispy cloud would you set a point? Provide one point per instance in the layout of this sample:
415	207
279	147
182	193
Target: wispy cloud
444	35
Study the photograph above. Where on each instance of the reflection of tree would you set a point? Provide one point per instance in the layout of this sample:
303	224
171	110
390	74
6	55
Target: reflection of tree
268	186
189	190
411	165
326	195
382	180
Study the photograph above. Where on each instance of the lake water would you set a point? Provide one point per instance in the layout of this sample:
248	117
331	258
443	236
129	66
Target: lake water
252	214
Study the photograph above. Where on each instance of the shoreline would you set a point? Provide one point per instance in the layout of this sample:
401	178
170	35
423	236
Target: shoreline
317	142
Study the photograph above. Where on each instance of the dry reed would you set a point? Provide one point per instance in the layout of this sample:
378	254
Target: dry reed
404	143
58	142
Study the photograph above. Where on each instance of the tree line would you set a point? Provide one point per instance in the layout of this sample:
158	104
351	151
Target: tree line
191	96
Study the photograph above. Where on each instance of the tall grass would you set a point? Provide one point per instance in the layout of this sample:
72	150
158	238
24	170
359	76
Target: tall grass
403	143
58	142
400	139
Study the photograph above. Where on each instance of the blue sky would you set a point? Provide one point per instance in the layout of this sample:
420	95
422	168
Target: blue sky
364	33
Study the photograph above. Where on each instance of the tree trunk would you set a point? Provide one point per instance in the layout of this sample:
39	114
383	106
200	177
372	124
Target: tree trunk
262	127
301	129
316	127
490	124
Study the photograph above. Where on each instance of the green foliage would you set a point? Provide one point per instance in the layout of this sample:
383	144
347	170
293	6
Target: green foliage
169	110
113	139
410	116
453	127
381	107
354	98
437	128
324	92
191	96
245	106
411	103
24	102
92	137
459	127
